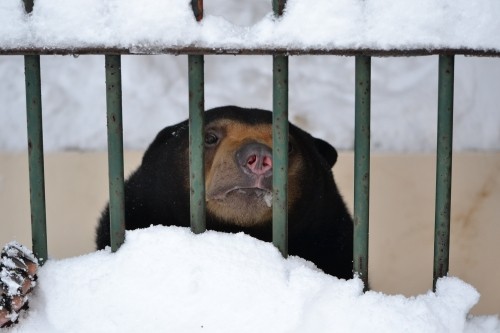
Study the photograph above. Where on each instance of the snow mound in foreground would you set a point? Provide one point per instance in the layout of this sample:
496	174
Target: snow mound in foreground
166	279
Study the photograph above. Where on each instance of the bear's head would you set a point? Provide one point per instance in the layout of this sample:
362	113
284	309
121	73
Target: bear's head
238	164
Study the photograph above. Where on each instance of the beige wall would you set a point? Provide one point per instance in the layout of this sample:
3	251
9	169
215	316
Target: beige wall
401	226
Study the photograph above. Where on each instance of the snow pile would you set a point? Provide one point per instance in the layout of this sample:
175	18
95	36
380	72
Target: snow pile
138	24
166	279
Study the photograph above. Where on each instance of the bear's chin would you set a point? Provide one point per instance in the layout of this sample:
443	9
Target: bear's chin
243	206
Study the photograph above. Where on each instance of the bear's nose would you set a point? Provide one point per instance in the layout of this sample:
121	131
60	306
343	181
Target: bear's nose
255	158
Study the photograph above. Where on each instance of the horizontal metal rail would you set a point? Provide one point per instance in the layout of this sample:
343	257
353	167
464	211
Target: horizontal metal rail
195	50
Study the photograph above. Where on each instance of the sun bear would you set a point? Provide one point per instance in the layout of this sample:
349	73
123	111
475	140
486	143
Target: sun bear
238	170
238	179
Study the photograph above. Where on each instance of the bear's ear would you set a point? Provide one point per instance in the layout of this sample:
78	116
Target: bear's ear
170	132
327	151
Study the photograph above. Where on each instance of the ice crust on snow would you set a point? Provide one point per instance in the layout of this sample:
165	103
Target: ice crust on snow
166	279
137	24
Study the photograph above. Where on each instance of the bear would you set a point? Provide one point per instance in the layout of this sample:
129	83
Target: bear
238	164
238	172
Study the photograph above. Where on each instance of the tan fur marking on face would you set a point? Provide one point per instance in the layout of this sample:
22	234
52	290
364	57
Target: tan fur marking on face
220	165
235	135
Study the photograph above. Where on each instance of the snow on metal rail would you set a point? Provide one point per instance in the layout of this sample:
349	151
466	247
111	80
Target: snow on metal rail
200	50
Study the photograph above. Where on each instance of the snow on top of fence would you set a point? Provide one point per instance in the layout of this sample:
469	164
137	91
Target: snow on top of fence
322	24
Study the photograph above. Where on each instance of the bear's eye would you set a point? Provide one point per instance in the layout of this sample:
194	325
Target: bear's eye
290	147
211	139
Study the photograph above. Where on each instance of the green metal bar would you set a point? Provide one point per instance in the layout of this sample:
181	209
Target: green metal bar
196	142
280	153
196	133
197	6
280	145
443	166
115	150
35	156
279	7
28	6
35	151
362	166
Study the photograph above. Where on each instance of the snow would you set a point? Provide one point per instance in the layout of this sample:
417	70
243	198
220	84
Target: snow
404	99
166	279
137	24
213	282
404	90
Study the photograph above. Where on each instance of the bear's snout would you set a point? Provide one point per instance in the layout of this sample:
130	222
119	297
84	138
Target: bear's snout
255	159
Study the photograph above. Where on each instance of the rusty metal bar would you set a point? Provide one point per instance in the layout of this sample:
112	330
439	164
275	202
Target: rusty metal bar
443	167
362	166
115	150
280	145
196	133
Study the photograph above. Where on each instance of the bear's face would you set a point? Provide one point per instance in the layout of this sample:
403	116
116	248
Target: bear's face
238	171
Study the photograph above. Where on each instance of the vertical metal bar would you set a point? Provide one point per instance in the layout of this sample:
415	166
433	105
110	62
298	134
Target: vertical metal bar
197	6
362	166
196	142
196	133
280	146
280	153
279	7
115	150
28	6
35	152
443	166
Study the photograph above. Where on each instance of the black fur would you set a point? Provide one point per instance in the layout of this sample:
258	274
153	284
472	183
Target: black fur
320	227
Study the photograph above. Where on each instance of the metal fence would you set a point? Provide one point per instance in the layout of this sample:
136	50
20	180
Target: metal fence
280	138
